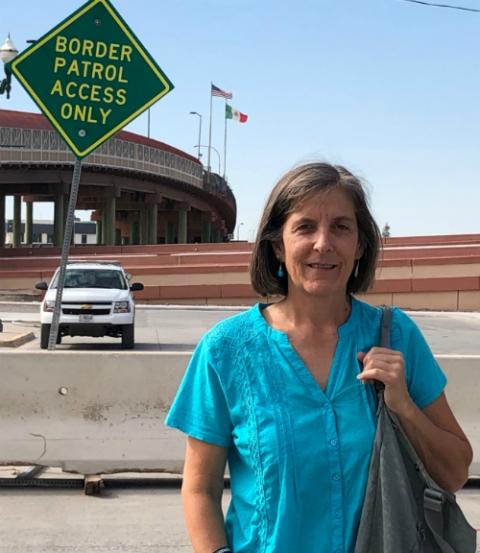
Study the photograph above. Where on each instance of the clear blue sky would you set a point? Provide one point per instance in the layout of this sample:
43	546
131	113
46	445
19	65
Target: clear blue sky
388	88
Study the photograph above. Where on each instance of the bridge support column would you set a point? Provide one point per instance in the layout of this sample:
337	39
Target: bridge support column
221	231
142	226
103	224
29	223
183	209
17	221
217	233
182	226
134	233
152	210
99	232
2	221
59	220
109	213
169	232
206	228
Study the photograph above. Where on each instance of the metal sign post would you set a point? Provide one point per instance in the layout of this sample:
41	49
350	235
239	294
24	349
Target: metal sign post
90	76
67	240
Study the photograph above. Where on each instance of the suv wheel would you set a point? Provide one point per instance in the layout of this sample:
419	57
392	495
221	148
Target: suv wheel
44	334
128	337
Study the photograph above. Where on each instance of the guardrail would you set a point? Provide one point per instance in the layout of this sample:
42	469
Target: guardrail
45	147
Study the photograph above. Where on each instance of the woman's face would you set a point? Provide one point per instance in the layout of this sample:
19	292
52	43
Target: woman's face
320	244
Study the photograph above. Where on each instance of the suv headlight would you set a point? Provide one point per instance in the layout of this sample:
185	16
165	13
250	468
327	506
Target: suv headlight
49	305
121	307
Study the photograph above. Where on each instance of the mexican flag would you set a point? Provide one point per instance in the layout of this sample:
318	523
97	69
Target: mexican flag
232	113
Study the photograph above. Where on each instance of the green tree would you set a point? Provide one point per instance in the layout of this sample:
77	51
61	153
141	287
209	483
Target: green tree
386	230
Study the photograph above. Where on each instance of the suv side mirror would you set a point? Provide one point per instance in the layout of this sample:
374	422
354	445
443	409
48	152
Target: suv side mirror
136	287
41	286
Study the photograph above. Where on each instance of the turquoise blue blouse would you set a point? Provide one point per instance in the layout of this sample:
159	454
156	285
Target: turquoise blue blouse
298	455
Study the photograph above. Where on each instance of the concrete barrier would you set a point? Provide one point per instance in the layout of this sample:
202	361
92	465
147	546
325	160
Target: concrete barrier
463	394
90	412
103	412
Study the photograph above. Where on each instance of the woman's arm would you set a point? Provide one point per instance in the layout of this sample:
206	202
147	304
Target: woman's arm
202	490
433	431
439	441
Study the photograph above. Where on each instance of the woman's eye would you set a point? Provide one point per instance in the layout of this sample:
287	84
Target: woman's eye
342	227
304	227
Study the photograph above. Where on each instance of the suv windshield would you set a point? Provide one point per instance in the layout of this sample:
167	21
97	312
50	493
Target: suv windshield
92	278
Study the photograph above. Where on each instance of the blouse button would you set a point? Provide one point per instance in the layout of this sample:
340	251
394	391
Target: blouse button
335	476
333	442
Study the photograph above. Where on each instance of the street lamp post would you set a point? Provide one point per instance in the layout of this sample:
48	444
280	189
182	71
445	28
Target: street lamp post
214	149
199	131
238	230
7	54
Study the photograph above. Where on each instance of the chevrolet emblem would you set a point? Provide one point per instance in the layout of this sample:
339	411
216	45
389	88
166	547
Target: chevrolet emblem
86	306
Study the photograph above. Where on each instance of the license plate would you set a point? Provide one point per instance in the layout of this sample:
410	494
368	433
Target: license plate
85	318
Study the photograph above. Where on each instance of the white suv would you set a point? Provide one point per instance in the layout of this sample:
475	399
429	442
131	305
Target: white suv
96	301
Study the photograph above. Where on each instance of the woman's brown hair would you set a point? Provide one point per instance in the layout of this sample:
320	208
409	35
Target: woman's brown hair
287	195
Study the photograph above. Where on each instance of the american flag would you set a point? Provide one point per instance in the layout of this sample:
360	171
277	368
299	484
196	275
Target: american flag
219	92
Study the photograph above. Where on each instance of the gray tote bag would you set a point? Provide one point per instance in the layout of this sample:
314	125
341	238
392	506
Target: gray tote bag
405	511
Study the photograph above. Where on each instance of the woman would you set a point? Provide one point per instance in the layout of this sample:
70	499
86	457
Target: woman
280	391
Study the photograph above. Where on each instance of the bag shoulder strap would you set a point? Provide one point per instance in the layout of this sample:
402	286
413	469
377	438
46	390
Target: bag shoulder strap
385	342
385	327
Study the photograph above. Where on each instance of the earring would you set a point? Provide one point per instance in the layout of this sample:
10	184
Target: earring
355	272
280	272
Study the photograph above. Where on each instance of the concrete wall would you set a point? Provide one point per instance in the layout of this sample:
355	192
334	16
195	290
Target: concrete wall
103	412
436	273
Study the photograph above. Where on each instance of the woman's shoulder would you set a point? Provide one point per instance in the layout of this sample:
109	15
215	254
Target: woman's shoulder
234	329
364	310
370	316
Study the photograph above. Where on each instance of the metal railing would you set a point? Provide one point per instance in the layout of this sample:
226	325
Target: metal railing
216	185
46	147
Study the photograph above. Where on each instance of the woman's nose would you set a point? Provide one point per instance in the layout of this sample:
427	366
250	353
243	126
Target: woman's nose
323	242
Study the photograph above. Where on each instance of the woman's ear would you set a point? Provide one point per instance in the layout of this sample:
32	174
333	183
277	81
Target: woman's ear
278	251
360	250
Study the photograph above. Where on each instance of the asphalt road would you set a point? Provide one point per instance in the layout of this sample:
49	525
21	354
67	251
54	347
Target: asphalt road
138	520
178	328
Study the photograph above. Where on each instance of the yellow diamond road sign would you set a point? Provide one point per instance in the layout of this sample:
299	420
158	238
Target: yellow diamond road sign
90	76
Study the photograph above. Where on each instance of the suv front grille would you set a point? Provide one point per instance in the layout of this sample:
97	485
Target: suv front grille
86	308
76	311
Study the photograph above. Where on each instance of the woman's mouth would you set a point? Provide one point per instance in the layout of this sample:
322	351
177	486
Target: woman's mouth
324	266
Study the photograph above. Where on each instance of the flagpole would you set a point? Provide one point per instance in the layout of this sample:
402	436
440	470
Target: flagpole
225	145
209	135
